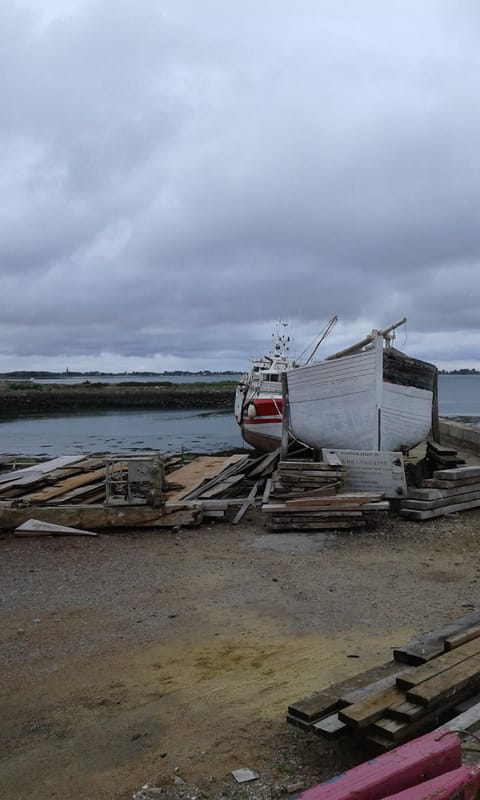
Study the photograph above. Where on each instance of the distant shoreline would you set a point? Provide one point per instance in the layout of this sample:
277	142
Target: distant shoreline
22	398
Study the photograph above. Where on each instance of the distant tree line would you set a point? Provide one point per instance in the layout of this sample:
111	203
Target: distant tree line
25	374
459	371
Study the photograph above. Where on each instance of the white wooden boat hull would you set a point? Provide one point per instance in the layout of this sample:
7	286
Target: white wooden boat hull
346	403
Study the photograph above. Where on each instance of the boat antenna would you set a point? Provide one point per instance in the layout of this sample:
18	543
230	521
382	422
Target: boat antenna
322	337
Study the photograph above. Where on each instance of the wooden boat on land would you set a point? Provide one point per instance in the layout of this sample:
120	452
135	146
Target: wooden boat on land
367	397
258	397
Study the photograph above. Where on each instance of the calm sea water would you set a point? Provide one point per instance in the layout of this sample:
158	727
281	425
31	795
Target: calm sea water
200	431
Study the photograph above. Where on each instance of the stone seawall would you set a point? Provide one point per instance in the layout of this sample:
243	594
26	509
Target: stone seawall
44	398
460	434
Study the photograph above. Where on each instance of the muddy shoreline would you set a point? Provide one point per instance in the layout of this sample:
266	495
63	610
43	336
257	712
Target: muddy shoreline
19	399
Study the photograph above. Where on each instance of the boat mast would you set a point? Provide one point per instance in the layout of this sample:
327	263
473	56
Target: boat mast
368	340
323	336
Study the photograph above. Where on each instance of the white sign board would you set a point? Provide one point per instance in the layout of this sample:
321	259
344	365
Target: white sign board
373	470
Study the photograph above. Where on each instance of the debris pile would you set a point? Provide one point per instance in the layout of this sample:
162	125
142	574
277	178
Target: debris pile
448	491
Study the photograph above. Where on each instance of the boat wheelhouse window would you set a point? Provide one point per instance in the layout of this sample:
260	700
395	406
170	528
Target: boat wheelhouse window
272	377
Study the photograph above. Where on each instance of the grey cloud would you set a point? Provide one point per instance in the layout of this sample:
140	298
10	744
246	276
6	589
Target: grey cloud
177	177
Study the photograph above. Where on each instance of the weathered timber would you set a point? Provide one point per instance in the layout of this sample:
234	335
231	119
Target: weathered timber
198	472
423	648
427	505
447	684
357	687
42	467
316	705
98	517
82	493
329	727
456	640
441	494
412	677
250	501
405	711
343	500
402	730
364	713
458	474
409	513
434	483
60	488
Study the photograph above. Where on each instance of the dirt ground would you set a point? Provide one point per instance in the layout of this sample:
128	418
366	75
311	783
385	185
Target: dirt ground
169	658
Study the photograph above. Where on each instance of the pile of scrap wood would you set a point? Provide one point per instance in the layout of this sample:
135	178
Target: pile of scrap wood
304	495
58	481
436	457
448	491
429	681
218	484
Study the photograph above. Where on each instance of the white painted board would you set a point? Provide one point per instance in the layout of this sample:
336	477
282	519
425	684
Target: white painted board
373	471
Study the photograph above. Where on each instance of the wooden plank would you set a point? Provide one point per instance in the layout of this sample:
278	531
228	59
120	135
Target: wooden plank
405	711
403	730
265	464
200	469
412	677
435	483
439	512
82	493
267	490
329	727
421	760
457	640
457	474
314	706
43	467
343	500
358	686
427	505
350	696
64	486
250	501
429	645
221	487
364	713
440	494
447	684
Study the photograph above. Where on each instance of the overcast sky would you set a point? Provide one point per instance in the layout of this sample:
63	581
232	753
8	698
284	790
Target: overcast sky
178	176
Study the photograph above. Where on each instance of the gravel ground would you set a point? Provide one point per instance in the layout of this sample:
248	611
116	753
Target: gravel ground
167	660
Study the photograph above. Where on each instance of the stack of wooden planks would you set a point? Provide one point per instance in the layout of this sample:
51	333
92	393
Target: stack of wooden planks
304	477
397	702
442	457
304	495
448	491
58	481
336	511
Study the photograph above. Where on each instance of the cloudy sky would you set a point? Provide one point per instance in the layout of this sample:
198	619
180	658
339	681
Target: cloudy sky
178	175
